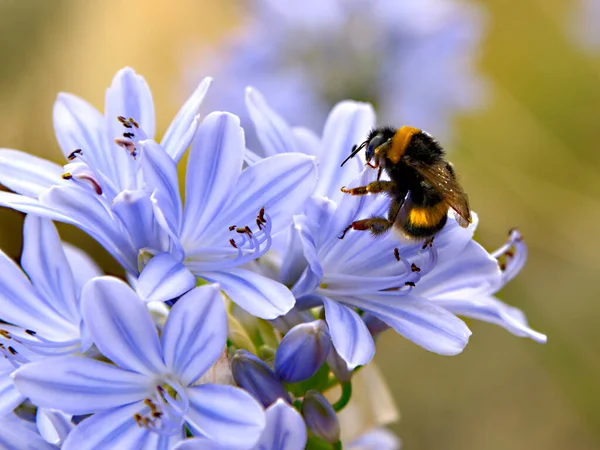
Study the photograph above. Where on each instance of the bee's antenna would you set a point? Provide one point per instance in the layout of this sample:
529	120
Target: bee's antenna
355	150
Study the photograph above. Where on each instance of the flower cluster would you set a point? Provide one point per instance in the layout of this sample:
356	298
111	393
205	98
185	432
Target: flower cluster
413	59
244	321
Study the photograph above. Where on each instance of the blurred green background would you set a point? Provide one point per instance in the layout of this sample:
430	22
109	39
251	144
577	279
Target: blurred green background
530	159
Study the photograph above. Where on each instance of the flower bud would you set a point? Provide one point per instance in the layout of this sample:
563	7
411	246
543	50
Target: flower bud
256	377
302	351
320	417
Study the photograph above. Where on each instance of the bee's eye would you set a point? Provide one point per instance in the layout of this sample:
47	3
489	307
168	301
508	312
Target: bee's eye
373	144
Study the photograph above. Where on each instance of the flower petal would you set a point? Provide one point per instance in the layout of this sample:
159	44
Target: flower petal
306	141
376	439
258	295
226	414
164	278
489	309
273	132
78	385
27	174
214	165
54	425
280	183
91	214
160	172
17	434
347	125
293	261
82	266
349	334
200	444
418	320
116	429
78	125
10	398
21	305
129	96
178	136
285	428
195	333
46	264
121	325
472	271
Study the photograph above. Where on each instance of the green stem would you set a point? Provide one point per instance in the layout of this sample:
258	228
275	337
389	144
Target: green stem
345	397
337	446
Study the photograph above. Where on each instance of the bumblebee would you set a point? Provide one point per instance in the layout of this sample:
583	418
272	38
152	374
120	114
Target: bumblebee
422	185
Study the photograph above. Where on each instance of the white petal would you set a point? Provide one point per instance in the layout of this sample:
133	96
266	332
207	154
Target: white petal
195	333
17	434
27	174
258	295
10	398
183	127
213	168
349	334
306	141
54	425
121	325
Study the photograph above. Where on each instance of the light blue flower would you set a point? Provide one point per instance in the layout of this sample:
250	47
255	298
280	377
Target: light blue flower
376	439
285	430
39	304
413	59
229	215
152	391
19	434
463	276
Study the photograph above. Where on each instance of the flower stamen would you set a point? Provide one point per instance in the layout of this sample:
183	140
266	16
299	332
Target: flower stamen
132	135
511	256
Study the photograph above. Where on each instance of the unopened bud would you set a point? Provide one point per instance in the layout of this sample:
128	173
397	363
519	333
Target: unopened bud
256	377
302	351
320	417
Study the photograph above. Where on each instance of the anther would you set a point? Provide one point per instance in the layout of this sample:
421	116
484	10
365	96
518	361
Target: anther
134	122
410	283
12	350
232	227
397	254
232	242
30	332
427	243
67	176
414	268
128	135
138	420
74	154
127	145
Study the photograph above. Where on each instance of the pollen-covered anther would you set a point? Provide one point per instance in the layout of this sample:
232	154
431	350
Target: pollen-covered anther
511	256
410	283
249	243
414	268
397	254
428	243
5	334
80	172
74	154
128	145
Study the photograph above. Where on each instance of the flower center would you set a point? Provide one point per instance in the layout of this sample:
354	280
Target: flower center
165	411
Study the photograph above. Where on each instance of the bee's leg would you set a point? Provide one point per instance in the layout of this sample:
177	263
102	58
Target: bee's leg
376	225
375	187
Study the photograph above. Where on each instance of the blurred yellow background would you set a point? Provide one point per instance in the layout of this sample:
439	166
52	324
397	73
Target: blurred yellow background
531	158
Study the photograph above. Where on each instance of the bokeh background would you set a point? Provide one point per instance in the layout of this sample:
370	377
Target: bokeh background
529	156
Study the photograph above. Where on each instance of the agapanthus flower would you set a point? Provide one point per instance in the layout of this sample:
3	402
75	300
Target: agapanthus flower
412	59
128	198
39	303
284	430
150	392
411	289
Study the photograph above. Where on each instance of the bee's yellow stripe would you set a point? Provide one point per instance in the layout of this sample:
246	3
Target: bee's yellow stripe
399	143
427	217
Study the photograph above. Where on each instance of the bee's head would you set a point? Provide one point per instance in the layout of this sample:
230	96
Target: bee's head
377	138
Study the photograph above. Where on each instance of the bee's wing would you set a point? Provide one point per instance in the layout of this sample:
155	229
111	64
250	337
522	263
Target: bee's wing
441	177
